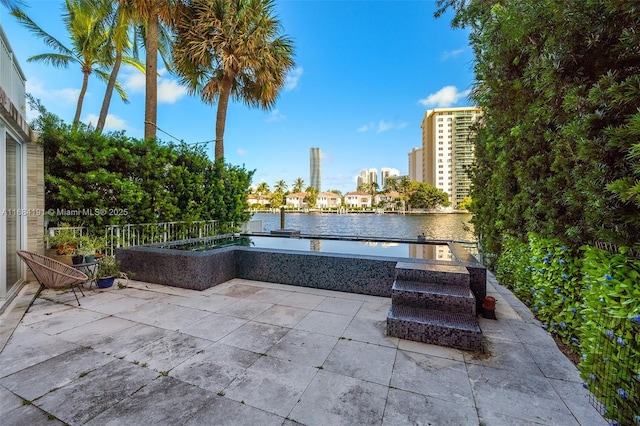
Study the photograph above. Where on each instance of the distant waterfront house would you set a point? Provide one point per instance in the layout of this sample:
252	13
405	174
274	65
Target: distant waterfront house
357	199
258	200
388	199
22	183
296	200
328	199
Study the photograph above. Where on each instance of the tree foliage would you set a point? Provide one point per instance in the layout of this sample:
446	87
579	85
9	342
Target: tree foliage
113	179
425	196
231	49
557	150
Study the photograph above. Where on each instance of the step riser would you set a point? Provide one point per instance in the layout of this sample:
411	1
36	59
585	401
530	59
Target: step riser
432	277
439	302
442	335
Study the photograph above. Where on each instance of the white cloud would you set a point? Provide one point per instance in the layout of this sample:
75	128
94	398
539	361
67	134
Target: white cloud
112	122
169	91
242	151
276	115
293	78
66	96
444	97
381	126
449	54
133	80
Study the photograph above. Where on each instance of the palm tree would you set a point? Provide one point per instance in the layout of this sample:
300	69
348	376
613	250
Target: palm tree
121	23
232	48
262	190
151	13
280	186
298	184
85	25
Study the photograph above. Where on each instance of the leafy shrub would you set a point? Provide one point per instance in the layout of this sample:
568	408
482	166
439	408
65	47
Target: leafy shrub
556	286
610	332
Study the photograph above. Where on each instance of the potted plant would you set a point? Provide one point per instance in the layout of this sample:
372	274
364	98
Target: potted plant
88	246
108	271
62	244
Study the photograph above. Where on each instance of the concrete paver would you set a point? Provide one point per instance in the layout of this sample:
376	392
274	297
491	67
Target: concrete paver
246	353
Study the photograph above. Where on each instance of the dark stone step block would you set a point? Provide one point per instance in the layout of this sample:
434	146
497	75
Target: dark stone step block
435	327
432	273
442	297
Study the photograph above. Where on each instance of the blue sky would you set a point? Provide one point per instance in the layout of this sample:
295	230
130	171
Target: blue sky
366	72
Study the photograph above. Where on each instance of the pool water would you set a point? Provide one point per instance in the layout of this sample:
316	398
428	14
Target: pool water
370	248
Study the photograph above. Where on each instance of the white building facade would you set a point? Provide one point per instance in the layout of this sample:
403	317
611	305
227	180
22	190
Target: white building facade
448	150
22	183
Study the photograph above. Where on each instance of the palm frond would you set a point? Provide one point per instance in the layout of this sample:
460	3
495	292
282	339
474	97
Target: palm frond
48	39
55	59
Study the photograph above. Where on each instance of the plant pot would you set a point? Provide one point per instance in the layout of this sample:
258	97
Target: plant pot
77	259
489	307
89	259
105	282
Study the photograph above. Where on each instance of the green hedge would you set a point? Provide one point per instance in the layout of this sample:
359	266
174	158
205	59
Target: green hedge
590	299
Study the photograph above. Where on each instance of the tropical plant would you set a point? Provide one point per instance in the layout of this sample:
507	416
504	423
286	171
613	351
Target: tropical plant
311	196
85	23
116	180
108	267
121	26
280	186
425	196
556	152
231	48
403	186
298	185
154	16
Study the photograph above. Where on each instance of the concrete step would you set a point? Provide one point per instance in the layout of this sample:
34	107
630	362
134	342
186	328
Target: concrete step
439	328
432	273
441	297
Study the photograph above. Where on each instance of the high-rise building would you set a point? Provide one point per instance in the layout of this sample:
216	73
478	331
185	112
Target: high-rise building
415	165
448	150
386	173
367	176
315	169
373	175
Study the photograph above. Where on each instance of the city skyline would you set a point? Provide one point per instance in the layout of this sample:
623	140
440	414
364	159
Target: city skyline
336	97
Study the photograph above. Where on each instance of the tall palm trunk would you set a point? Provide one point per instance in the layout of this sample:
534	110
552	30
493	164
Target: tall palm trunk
151	81
83	91
221	116
108	93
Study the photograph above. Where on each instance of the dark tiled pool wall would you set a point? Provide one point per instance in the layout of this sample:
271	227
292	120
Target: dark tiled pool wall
201	270
177	268
364	275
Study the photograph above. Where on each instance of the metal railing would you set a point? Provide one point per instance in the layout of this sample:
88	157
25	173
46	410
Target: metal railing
151	233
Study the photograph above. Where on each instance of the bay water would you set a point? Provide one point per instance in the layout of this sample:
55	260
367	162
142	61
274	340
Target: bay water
438	226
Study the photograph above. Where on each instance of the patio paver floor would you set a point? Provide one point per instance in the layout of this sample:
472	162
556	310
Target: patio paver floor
256	353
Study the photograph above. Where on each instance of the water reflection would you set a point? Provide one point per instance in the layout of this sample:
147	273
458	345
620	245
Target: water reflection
373	248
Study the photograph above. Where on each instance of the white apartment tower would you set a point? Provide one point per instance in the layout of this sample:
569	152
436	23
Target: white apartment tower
386	173
315	169
448	150
367	176
415	165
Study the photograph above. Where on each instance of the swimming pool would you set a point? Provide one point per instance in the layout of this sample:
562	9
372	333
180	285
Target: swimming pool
323	244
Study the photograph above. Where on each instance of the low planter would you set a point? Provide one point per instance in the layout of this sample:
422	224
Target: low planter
105	282
77	259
